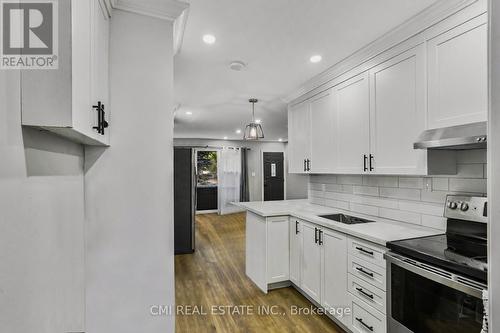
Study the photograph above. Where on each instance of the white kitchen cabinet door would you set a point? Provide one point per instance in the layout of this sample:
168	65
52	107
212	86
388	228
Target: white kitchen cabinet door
311	262
100	62
323	152
299	138
278	245
352	133
397	94
458	75
295	250
334	274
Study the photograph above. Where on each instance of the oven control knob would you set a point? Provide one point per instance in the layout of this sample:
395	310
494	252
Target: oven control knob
464	206
452	205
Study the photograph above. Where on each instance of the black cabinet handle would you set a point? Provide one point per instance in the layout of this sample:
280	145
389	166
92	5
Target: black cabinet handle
371	163
364	251
101	119
364	324
305	165
364	293
365	160
316	235
308	165
320	240
296	227
364	272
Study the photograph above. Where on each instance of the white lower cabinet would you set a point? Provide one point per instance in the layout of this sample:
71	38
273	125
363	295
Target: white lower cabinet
365	319
267	250
311	261
334	273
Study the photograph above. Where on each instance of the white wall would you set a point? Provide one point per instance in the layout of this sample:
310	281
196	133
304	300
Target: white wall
129	186
296	185
41	224
494	168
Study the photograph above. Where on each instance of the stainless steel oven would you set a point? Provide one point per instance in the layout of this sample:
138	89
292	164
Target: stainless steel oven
425	299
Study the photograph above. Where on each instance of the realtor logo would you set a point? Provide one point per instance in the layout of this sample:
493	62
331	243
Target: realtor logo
29	34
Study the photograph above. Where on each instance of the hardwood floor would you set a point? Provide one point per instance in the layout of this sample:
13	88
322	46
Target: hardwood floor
215	276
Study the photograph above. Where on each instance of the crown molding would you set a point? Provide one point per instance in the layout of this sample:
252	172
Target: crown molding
171	10
415	25
168	10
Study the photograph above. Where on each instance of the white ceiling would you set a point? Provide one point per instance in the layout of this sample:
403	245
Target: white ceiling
275	38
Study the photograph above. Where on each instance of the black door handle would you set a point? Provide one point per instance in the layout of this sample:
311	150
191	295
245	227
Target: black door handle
364	272
296	227
364	324
364	293
371	163
320	238
316	235
365	160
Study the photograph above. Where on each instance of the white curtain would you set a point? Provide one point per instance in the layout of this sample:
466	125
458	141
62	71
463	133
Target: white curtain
229	174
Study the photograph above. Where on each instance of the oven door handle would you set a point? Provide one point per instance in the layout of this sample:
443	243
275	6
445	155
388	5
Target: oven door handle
438	275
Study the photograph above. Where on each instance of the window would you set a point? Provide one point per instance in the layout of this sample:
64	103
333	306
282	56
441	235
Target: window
206	168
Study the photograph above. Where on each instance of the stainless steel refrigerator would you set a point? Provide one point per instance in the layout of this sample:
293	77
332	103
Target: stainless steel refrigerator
184	199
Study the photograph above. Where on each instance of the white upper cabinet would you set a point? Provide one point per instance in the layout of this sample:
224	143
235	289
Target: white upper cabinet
352	130
397	109
323	152
299	138
458	77
62	100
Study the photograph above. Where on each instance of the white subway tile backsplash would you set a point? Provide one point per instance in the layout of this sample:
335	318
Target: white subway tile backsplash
400	215
350	180
411	182
434	222
364	209
366	190
468	185
400	193
410	199
440	184
436	209
385	181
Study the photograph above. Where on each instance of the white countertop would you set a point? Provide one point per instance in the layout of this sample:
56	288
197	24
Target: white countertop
381	231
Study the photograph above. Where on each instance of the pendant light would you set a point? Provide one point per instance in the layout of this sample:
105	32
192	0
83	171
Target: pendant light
253	131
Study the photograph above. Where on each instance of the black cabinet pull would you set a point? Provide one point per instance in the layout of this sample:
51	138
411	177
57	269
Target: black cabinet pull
371	163
316	235
364	251
364	293
365	160
296	227
305	165
364	324
320	239
364	272
308	165
101	118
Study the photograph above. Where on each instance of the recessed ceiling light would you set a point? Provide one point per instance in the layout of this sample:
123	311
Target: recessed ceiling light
258	121
238	131
189	113
280	139
315	58
225	138
209	39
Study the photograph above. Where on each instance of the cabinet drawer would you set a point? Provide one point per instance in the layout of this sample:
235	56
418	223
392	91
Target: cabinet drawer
367	251
366	271
366	319
368	293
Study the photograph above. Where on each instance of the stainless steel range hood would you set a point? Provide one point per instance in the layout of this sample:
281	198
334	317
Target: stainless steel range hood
470	136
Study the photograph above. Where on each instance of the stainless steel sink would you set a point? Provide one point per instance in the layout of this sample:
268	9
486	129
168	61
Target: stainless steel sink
347	219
